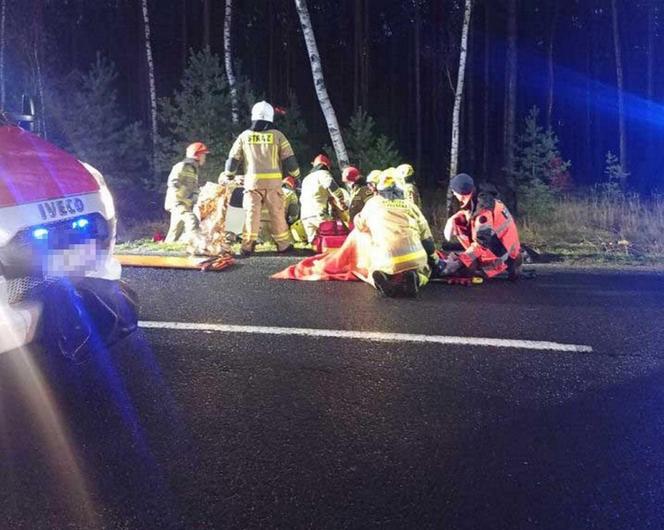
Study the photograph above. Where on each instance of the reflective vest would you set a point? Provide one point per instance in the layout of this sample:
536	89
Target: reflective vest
489	236
397	228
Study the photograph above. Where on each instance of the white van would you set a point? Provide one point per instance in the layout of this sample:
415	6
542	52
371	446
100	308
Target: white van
57	220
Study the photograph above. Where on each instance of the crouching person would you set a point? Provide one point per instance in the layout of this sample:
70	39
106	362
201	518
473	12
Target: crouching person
486	230
402	248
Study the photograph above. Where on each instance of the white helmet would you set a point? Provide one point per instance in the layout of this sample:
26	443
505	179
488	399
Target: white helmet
262	111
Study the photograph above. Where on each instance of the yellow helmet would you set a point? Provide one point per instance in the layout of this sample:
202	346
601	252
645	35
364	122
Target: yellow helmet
374	177
388	179
405	171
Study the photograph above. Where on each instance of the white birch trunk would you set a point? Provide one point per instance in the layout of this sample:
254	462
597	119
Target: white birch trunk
3	39
151	79
319	83
458	98
620	81
228	57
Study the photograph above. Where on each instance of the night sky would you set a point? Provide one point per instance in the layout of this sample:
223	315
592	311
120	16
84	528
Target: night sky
368	49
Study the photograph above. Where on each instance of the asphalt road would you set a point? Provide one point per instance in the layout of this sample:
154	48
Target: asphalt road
194	429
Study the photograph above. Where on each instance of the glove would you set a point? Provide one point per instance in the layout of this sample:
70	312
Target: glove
450	265
225	177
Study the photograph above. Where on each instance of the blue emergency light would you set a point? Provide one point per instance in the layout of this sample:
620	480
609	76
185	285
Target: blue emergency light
40	233
80	224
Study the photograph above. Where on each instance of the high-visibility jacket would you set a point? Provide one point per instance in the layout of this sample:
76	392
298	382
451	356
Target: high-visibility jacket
292	204
318	187
182	186
397	229
359	195
265	155
412	194
489	235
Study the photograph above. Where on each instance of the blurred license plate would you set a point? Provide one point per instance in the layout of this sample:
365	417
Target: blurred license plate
77	259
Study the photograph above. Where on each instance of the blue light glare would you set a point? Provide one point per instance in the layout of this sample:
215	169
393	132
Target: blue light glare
40	233
80	224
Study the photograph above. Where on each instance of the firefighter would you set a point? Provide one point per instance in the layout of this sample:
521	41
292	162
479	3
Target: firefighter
406	175
402	250
372	180
292	207
358	190
266	154
182	194
486	230
318	189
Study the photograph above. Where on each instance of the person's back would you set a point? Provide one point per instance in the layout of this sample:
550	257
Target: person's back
315	193
263	153
266	154
397	229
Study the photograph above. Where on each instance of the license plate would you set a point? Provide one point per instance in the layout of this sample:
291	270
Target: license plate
75	260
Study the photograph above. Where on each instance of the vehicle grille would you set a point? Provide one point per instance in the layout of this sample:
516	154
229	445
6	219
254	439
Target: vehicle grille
19	288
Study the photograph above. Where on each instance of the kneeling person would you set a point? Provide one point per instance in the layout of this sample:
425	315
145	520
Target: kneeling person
318	189
402	245
486	230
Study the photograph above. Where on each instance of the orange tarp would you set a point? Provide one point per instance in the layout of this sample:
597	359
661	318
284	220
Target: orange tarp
347	263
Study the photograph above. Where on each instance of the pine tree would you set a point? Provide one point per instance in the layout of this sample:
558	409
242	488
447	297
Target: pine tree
368	149
92	126
293	126
198	111
539	169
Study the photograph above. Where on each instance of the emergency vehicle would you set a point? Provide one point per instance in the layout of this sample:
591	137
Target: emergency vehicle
57	222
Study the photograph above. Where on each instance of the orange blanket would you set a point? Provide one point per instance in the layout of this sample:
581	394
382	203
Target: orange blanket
347	263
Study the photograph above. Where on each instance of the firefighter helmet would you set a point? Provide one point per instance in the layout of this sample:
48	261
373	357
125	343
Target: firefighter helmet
405	171
196	149
290	182
350	174
322	160
262	111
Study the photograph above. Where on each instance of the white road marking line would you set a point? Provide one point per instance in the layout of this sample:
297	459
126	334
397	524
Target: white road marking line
371	336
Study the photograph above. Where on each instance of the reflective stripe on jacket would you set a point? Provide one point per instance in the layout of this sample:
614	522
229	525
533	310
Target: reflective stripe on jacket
397	228
264	155
490	237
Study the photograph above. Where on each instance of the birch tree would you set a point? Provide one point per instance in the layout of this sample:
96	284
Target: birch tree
228	58
319	83
458	97
510	98
620	81
151	78
3	39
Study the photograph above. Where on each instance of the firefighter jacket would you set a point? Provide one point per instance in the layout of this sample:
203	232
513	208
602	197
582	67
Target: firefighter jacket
266	155
292	204
359	195
397	229
318	187
488	233
412	194
182	185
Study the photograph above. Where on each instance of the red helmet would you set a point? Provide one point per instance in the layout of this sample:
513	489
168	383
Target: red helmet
290	182
322	160
350	174
197	149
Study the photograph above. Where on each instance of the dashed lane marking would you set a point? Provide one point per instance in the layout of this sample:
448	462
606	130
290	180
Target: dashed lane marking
372	336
